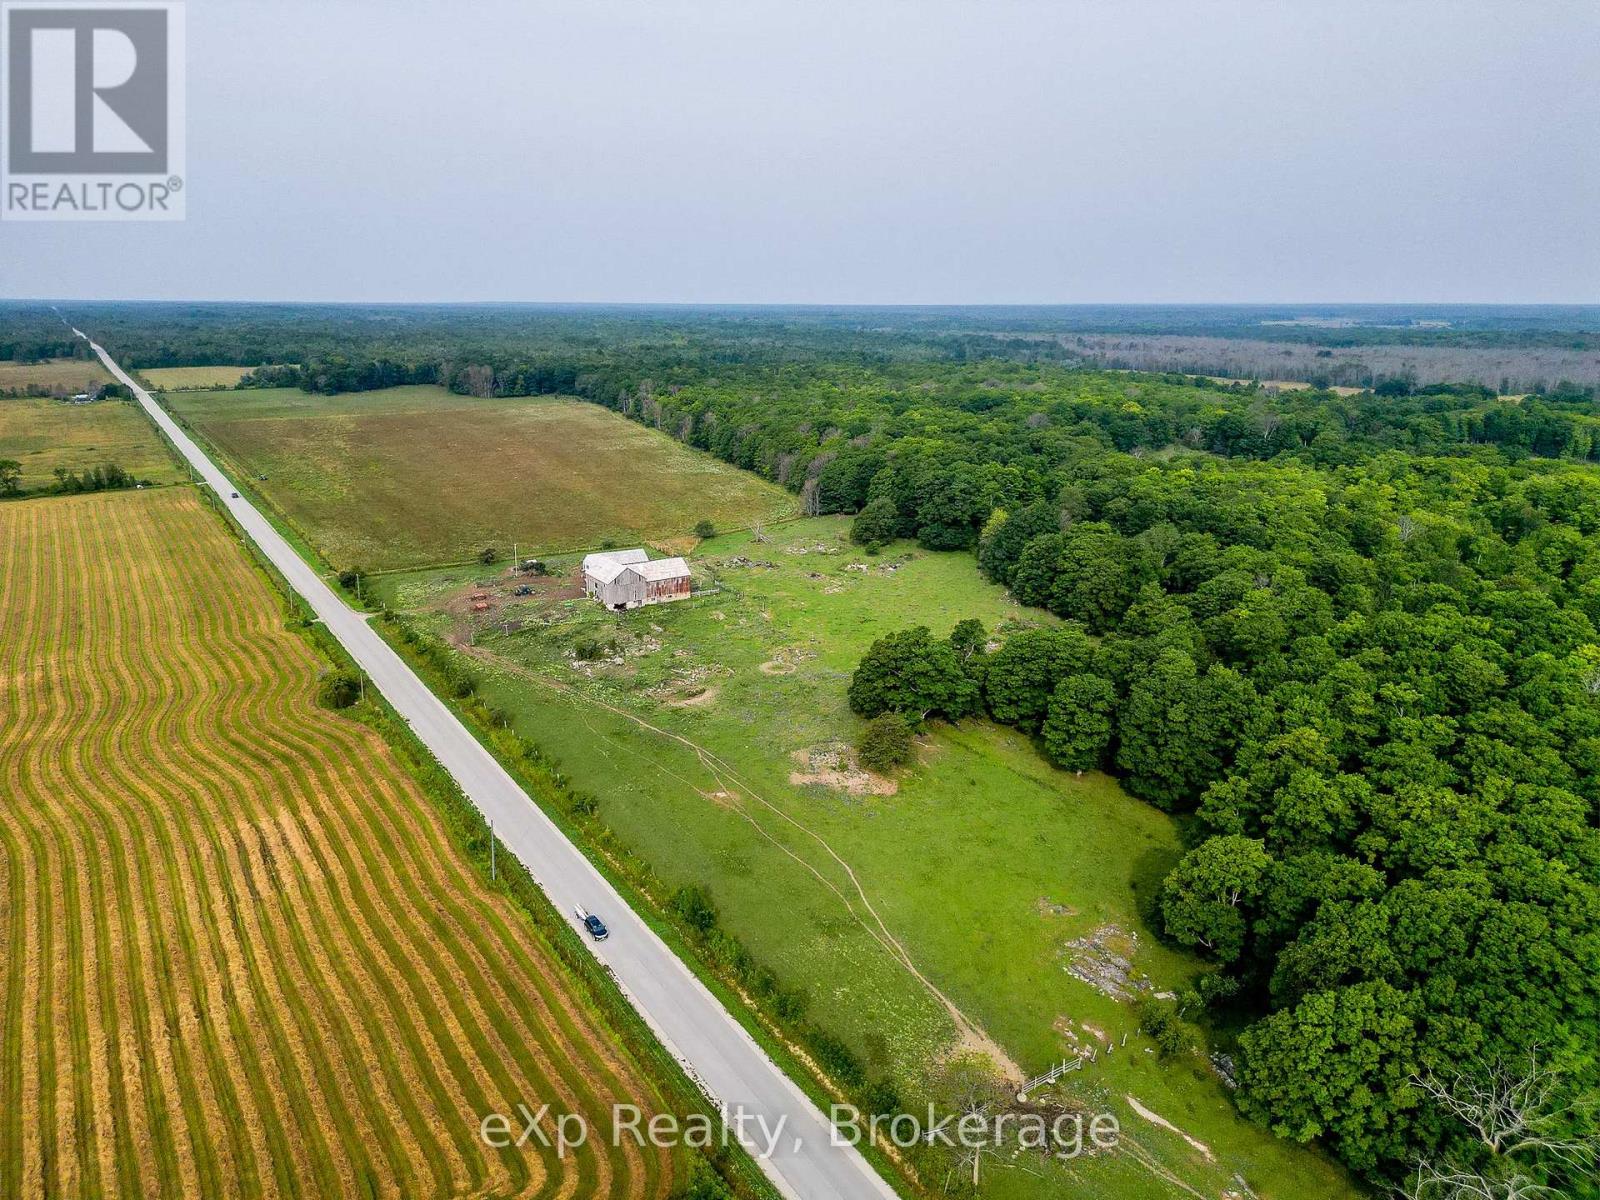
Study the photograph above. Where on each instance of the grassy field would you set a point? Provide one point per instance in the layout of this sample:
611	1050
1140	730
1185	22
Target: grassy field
411	476
240	957
715	734
177	379
60	376
45	434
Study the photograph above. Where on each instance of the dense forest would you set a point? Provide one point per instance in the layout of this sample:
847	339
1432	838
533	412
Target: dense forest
338	347
1354	641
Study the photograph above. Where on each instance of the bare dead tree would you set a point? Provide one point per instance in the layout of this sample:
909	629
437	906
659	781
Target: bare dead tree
1432	1182
810	501
1525	1115
1516	1109
1268	420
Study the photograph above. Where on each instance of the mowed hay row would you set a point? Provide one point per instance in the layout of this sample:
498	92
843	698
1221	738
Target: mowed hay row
241	956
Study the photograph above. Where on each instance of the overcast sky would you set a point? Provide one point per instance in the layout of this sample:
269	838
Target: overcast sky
860	151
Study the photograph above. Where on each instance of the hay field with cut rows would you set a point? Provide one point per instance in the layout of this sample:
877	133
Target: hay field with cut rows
240	955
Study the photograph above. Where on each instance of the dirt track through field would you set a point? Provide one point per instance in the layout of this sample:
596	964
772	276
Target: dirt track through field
241	957
972	1037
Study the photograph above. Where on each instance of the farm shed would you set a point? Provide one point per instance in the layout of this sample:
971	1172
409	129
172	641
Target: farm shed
628	579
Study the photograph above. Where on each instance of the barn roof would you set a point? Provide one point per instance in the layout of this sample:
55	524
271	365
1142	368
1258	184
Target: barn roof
620	557
662	568
602	569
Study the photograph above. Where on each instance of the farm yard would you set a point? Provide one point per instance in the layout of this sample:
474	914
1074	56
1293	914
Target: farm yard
241	957
45	434
178	379
411	476
54	377
716	738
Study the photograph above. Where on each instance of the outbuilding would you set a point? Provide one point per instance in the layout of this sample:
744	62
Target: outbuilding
624	579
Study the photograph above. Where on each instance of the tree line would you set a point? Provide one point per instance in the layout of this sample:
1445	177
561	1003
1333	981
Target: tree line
1372	689
103	477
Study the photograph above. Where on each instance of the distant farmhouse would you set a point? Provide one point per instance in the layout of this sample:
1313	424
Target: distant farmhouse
622	579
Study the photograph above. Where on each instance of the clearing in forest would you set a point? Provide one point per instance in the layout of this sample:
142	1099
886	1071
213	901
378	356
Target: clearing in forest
241	956
410	476
175	379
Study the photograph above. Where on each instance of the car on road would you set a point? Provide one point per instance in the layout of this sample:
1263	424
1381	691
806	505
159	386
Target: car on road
234	495
596	927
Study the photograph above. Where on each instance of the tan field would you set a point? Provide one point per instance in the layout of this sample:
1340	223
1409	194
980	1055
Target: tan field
177	379
241	956
59	376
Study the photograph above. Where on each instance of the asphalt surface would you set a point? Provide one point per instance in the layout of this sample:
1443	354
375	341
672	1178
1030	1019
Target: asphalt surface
715	1050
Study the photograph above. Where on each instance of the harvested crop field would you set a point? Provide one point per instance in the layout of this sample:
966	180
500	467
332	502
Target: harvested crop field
412	476
56	376
174	379
241	957
45	434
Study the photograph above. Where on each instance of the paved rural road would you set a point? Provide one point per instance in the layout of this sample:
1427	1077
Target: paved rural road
688	1019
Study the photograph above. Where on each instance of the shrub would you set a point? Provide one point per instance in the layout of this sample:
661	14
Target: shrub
488	556
875	524
339	689
834	1057
880	1099
705	529
1159	1018
694	908
704	1184
460	683
885	743
789	1004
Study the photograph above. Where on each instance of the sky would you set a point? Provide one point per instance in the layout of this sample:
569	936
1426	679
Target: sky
868	151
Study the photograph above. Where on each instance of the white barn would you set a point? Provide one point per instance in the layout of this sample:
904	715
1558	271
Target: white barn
622	579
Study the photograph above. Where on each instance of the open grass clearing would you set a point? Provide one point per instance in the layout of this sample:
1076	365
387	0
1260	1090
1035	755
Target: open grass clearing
998	875
45	434
410	476
241	956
